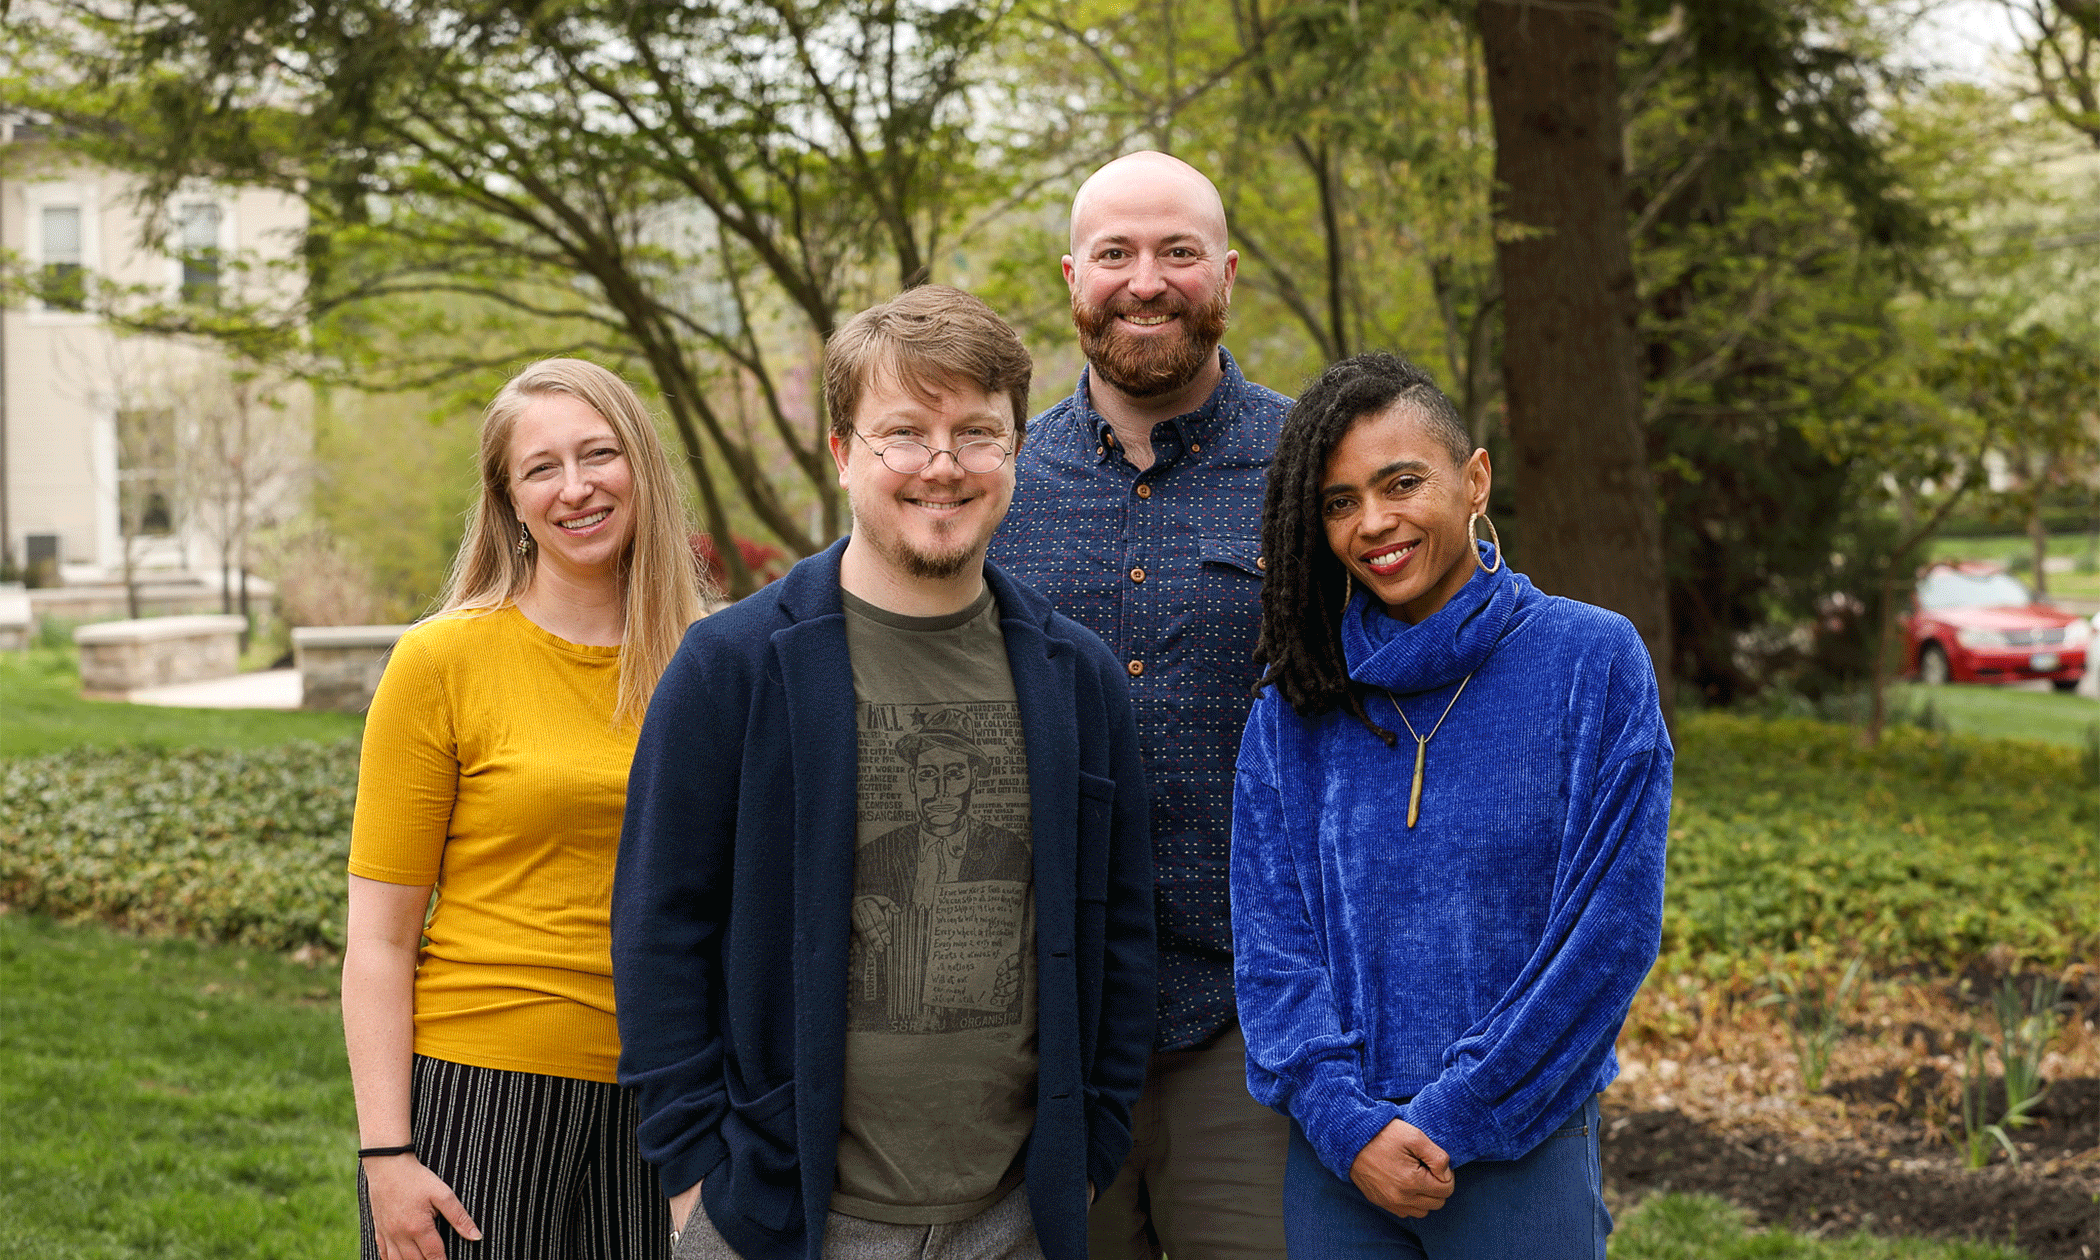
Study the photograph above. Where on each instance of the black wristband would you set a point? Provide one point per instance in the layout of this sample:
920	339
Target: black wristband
373	1151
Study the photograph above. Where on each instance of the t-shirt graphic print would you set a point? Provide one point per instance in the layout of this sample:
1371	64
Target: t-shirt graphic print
940	899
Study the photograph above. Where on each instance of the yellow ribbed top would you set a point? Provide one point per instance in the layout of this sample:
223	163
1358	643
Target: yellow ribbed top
491	768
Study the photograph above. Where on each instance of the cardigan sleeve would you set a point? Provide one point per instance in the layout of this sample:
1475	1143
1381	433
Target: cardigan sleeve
670	900
1528	1063
1129	1004
1300	1059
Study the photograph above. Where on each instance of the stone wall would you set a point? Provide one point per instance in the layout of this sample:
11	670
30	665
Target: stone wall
118	657
339	666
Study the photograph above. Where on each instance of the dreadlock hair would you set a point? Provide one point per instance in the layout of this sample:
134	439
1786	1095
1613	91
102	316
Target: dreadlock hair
1301	596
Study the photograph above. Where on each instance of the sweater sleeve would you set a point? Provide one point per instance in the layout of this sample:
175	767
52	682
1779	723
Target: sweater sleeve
670	900
1300	1059
1528	1063
407	773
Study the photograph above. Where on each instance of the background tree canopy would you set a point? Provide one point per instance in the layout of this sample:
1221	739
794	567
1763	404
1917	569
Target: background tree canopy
1743	304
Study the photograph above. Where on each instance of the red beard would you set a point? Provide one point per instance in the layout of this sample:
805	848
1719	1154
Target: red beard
1146	367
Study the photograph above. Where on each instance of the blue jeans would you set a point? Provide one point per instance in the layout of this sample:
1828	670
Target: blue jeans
1548	1205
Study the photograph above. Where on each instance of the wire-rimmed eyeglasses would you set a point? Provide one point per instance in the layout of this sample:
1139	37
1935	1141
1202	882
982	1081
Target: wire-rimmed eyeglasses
906	456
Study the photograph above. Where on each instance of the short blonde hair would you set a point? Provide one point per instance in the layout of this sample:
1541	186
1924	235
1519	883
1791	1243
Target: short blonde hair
927	336
660	578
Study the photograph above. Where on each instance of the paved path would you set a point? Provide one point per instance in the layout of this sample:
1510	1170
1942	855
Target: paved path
264	689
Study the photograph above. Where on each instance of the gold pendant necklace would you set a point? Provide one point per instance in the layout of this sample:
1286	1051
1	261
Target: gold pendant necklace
1414	794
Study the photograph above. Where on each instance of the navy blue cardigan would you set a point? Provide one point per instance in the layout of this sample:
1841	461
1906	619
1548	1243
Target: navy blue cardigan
1469	974
732	903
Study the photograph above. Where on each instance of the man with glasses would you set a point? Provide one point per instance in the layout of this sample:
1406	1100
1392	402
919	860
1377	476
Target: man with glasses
1138	513
869	1013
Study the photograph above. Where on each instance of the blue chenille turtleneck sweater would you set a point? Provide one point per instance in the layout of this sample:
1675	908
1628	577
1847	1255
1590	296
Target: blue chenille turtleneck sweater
1468	975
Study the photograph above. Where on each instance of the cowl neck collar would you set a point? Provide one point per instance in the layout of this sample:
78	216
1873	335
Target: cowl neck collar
1452	642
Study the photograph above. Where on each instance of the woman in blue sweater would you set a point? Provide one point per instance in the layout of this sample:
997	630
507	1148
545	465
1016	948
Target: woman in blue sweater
1447	850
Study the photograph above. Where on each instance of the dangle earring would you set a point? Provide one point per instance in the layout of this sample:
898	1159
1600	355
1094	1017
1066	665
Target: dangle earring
1493	536
524	540
1348	593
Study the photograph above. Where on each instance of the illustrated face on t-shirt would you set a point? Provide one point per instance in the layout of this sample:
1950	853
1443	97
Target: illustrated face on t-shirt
941	783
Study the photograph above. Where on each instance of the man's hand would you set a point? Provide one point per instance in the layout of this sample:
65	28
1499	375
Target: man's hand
682	1205
406	1200
871	918
1404	1172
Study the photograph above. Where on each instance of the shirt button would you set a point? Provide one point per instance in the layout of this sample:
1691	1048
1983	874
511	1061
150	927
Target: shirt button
1145	491
1262	563
1137	575
1196	447
1136	668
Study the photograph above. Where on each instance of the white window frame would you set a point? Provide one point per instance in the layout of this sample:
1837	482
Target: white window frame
189	193
36	198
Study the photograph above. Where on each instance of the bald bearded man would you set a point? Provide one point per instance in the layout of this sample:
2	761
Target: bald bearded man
1138	513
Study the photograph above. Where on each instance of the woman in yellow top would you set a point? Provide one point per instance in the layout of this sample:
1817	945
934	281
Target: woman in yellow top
481	1035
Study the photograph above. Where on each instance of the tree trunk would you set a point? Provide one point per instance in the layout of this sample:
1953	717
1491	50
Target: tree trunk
2037	528
1584	495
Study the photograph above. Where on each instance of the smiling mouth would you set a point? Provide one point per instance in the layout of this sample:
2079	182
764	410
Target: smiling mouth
585	522
1149	321
940	506
1390	559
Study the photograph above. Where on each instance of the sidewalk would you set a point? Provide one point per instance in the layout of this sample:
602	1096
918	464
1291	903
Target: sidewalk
264	689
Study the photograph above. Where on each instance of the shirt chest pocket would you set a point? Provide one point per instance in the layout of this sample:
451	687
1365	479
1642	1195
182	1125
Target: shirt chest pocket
1224	607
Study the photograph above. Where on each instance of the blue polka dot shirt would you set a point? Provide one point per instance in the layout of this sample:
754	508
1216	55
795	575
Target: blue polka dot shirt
1165	565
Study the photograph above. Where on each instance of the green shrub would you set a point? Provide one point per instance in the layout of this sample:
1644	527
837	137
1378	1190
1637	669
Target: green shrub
245	846
1928	849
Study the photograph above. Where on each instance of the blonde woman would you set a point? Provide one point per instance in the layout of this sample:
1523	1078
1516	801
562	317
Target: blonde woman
482	1042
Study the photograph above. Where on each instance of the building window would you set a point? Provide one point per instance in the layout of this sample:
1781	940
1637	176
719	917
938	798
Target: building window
145	471
197	246
62	281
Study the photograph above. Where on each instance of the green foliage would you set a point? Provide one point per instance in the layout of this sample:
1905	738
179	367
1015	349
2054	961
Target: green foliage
2025	1029
167	1099
247	846
41	711
1701	1227
1815	1018
1977	1133
1927	849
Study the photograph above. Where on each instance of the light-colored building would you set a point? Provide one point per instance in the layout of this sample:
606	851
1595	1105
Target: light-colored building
121	452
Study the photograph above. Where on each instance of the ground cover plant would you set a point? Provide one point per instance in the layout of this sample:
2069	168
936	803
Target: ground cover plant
167	1098
41	711
1928	849
244	845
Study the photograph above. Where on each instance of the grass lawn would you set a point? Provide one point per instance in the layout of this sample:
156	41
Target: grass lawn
166	1098
2007	548
1998	712
41	711
1698	1227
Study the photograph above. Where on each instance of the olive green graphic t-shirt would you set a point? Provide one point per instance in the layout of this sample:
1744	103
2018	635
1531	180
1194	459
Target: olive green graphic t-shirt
940	1016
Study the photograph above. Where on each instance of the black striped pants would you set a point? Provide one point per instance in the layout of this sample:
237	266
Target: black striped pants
546	1166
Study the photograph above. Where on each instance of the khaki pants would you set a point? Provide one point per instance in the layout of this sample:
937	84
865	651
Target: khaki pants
1204	1180
1003	1231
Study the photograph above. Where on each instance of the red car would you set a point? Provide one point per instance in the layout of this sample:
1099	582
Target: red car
1974	622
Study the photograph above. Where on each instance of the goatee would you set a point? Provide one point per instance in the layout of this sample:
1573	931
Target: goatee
1146	367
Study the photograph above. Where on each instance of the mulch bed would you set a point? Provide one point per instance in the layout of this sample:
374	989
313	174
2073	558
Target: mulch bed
2046	1205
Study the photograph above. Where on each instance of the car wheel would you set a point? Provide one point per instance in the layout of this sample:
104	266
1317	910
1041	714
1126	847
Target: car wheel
2065	685
1932	665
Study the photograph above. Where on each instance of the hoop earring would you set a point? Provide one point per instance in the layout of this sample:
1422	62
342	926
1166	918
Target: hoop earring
1348	593
1494	536
524	540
